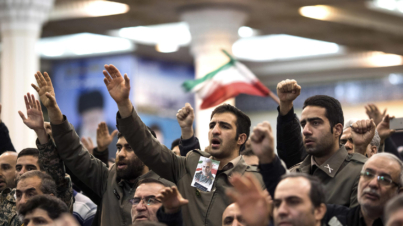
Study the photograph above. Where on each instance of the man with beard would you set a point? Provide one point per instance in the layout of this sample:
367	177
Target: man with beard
113	187
322	123
229	130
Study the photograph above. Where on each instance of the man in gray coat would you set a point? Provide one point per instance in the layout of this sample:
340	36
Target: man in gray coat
229	130
113	187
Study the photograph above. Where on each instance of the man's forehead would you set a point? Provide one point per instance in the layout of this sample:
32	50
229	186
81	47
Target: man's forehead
346	132
122	141
28	159
383	164
31	182
293	186
148	189
232	209
227	117
313	112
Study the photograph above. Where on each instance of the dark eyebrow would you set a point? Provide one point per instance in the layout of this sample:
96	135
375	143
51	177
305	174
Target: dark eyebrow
311	119
221	123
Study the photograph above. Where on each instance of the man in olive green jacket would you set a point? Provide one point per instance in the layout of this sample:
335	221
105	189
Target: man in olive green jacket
318	147
113	188
229	130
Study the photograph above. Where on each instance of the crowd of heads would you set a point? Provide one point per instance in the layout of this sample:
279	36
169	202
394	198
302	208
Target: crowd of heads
298	199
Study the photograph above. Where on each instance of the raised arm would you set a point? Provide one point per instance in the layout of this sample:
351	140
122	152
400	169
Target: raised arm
262	142
188	141
48	155
290	145
153	154
82	164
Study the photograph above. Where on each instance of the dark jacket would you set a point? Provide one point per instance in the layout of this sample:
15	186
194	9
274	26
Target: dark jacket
5	141
113	193
339	174
346	216
206	208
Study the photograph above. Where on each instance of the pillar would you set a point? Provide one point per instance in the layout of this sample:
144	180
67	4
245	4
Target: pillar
20	23
212	27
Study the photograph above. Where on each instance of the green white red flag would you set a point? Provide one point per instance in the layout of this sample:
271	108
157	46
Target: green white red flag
228	81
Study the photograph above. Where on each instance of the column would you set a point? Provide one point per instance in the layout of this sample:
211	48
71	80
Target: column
213	27
20	22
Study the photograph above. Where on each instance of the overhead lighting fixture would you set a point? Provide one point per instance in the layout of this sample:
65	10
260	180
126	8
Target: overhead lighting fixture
319	12
166	47
246	32
87	8
388	6
278	47
380	59
82	44
163	35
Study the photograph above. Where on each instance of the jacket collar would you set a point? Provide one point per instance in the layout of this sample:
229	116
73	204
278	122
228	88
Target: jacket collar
331	166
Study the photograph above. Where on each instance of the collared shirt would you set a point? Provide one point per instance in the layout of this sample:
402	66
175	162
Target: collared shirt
231	163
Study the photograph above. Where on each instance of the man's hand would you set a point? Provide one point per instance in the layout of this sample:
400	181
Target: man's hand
87	143
34	118
48	98
262	142
104	139
171	199
185	117
374	113
362	132
119	89
254	203
45	86
287	91
383	128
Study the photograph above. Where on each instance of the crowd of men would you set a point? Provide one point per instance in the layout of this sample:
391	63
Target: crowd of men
333	173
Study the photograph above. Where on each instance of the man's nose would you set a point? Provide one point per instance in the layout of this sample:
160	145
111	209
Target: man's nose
216	129
349	145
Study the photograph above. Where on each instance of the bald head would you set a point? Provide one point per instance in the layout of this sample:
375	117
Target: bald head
7	170
232	216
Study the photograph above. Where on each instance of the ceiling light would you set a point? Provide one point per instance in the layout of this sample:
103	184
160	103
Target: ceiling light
319	12
277	47
173	33
245	32
88	8
380	59
82	44
166	47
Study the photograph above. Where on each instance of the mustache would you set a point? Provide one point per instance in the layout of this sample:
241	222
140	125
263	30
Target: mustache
371	191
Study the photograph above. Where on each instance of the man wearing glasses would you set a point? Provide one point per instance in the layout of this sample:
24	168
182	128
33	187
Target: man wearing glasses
380	181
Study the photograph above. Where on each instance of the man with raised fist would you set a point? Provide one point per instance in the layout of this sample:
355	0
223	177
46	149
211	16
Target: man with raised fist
318	147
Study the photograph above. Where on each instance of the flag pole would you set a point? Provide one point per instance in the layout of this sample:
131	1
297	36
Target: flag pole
274	97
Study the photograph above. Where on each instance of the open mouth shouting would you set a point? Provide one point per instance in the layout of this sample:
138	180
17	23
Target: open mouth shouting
215	143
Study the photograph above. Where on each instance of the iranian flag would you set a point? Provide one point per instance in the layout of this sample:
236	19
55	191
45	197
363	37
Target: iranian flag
229	80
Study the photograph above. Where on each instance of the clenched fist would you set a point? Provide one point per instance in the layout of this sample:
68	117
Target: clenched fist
287	91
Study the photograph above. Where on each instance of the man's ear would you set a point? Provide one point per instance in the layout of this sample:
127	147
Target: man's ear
320	212
374	150
241	139
338	130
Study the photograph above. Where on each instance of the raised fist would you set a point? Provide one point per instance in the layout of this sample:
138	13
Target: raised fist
288	90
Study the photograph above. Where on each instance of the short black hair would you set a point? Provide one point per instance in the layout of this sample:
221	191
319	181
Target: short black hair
317	192
48	185
52	205
175	143
242	120
149	129
31	152
90	100
334	112
395	204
